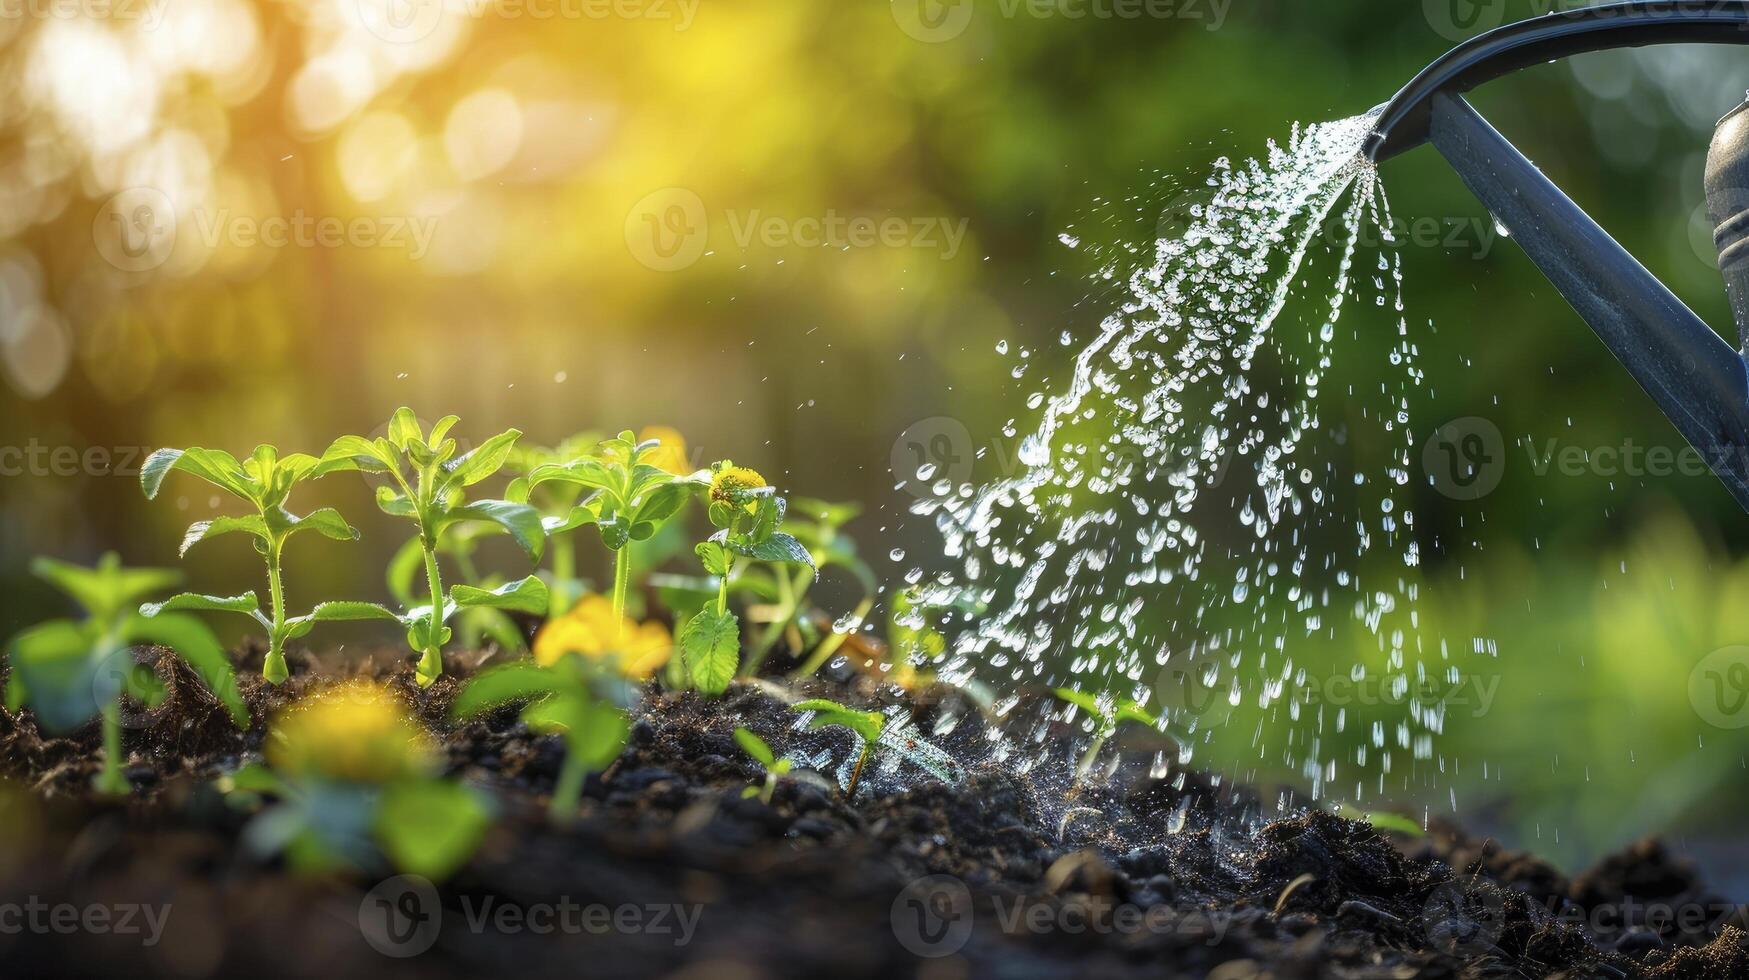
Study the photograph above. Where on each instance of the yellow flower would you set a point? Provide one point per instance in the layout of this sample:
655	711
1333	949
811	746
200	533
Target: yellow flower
731	484
670	455
638	649
358	731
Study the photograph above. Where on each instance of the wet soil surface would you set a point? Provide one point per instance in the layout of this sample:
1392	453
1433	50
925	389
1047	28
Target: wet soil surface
669	869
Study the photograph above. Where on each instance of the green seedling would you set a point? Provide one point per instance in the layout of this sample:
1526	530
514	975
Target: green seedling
1107	714
355	780
427	483
761	753
71	670
818	525
555	501
747	514
265	481
474	625
559	699
628	500
867	726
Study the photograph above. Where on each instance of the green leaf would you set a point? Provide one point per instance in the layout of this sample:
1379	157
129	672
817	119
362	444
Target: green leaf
528	595
441	429
394	504
756	747
205	530
767	516
56	669
299	627
190	639
595	731
326	522
868	724
663	503
717	559
430	827
355	453
583	513
107	591
404	429
487	459
522	521
256	778
499	686
247	604
711	648
781	547
1131	711
217	467
1086	702
405	569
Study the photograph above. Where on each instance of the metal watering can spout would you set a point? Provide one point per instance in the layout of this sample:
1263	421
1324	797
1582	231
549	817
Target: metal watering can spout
1699	381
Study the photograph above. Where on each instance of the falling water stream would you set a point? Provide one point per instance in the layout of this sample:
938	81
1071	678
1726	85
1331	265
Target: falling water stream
1185	522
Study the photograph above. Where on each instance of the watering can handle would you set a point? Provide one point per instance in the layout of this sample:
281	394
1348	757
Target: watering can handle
1405	121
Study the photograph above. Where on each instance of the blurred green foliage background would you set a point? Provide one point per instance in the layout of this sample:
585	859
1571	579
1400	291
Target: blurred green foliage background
593	183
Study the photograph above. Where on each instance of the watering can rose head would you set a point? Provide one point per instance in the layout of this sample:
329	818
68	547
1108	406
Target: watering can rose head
591	630
357	732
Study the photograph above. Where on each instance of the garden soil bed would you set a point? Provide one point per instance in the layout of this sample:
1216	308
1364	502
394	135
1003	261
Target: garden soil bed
669	870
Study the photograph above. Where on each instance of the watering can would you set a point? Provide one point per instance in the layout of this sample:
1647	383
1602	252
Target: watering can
1699	381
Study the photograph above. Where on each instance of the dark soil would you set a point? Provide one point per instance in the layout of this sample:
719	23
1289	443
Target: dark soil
1010	873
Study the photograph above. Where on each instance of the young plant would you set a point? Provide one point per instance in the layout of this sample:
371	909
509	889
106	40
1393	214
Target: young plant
265	481
761	753
867	726
747	514
559	699
357	780
427	483
474	625
818	525
1107	714
555	502
875	734
629	499
70	670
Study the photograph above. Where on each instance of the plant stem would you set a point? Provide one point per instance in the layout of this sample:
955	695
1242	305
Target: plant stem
830	645
790	601
274	669
723	590
856	774
109	779
622	581
1088	758
431	664
564	573
569	788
